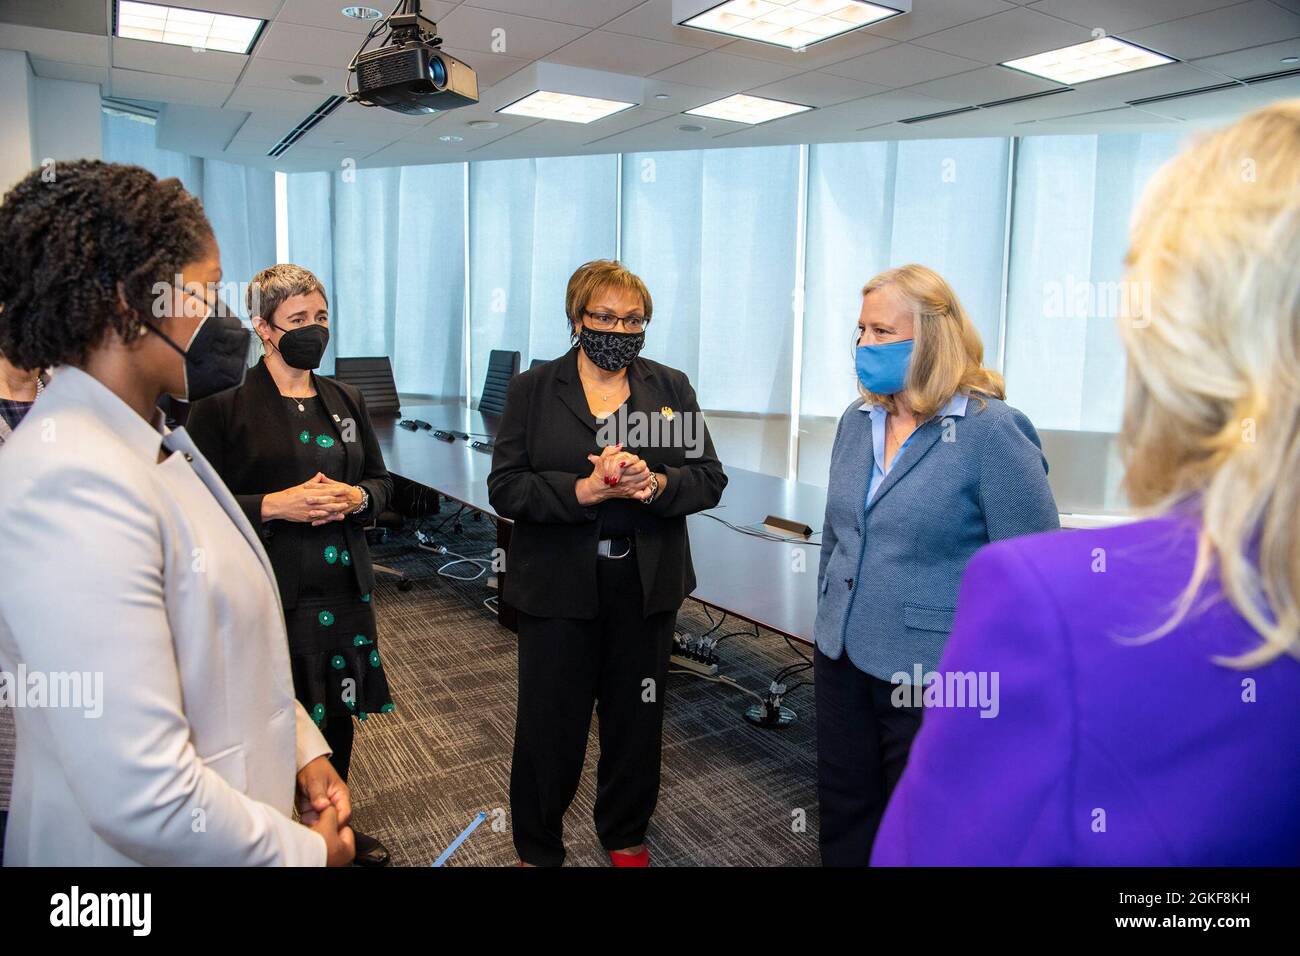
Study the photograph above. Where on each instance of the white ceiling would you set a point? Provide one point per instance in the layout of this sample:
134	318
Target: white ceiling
939	58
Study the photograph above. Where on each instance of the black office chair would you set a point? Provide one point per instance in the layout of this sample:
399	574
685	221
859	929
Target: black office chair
374	378
502	367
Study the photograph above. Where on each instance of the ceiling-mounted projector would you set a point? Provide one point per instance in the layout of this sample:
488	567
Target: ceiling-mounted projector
410	73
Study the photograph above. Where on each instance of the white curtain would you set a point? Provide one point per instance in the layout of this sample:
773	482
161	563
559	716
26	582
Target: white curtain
873	206
713	233
532	223
239	200
1074	199
389	244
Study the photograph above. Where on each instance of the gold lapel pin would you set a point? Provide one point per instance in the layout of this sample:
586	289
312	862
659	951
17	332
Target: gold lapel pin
666	412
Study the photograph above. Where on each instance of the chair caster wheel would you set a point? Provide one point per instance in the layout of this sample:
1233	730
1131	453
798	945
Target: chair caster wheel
405	585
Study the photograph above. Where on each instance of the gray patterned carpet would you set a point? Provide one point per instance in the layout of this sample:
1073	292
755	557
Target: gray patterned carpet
732	794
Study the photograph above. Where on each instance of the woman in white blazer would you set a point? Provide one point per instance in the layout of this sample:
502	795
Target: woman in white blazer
135	592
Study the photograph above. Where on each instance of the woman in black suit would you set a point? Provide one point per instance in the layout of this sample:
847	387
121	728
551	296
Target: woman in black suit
600	456
299	453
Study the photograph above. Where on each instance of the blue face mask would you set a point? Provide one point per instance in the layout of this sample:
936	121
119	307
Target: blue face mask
882	369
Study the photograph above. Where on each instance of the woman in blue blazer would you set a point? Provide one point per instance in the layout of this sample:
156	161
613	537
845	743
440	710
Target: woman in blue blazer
928	466
1150	672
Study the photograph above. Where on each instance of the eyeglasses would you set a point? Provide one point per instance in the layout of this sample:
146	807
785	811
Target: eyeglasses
607	322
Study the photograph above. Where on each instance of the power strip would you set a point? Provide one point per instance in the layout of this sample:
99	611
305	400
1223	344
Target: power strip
686	664
697	654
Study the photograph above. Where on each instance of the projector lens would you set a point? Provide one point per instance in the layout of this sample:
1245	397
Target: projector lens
437	72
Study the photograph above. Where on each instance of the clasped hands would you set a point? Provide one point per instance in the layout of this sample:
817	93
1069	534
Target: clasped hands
615	474
325	806
319	500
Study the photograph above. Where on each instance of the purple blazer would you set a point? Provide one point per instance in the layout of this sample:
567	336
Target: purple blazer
1103	751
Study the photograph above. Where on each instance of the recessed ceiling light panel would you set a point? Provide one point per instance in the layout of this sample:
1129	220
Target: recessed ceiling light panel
1105	56
566	107
179	26
793	24
752	110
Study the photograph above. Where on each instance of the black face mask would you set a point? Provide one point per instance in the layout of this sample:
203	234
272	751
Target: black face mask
611	350
303	348
216	358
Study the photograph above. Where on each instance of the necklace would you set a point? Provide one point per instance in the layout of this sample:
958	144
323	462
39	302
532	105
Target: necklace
298	401
40	386
604	395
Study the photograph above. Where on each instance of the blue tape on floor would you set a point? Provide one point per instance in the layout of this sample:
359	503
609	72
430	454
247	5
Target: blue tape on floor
460	839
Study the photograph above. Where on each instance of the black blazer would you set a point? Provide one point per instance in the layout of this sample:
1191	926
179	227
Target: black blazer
241	432
544	437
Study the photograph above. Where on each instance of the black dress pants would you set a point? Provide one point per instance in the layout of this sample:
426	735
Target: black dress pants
862	745
617	662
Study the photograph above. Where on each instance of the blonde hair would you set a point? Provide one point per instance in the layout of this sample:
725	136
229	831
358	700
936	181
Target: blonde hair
1212	412
595	276
948	354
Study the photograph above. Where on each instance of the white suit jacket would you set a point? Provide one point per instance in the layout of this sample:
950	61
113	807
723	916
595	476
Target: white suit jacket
148	574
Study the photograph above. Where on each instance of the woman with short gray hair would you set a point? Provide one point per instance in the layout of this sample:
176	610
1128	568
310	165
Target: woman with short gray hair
299	453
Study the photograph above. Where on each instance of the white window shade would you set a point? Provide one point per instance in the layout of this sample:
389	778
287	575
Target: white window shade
532	223
1075	195
713	234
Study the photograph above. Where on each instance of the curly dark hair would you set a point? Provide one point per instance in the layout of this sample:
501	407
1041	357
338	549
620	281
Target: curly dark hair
68	244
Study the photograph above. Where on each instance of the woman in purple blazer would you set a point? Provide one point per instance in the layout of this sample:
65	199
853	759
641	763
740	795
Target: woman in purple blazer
1147	705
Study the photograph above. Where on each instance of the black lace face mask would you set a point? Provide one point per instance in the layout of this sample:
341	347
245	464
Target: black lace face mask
611	350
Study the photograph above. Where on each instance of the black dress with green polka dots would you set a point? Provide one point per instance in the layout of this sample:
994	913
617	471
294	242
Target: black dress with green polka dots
333	647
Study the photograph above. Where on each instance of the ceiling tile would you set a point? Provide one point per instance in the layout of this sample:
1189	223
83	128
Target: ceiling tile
135	85
249	96
56	44
620	53
456	123
654	21
1122	120
177	60
1115	16
1254	61
927	18
278	75
1006	36
985	85
680	97
486	31
303	44
902	65
491	68
1222	105
328	14
1220	31
722	71
816	89
55	70
1157	81
584	13
376	114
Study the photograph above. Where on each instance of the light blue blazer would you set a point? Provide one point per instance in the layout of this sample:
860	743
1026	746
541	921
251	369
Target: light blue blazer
890	567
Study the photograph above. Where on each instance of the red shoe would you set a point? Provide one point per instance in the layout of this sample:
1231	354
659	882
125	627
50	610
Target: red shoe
630	859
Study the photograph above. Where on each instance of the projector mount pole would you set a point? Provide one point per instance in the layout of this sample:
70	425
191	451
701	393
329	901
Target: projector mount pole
411	25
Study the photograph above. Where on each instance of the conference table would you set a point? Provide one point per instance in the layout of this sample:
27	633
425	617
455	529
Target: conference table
769	583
